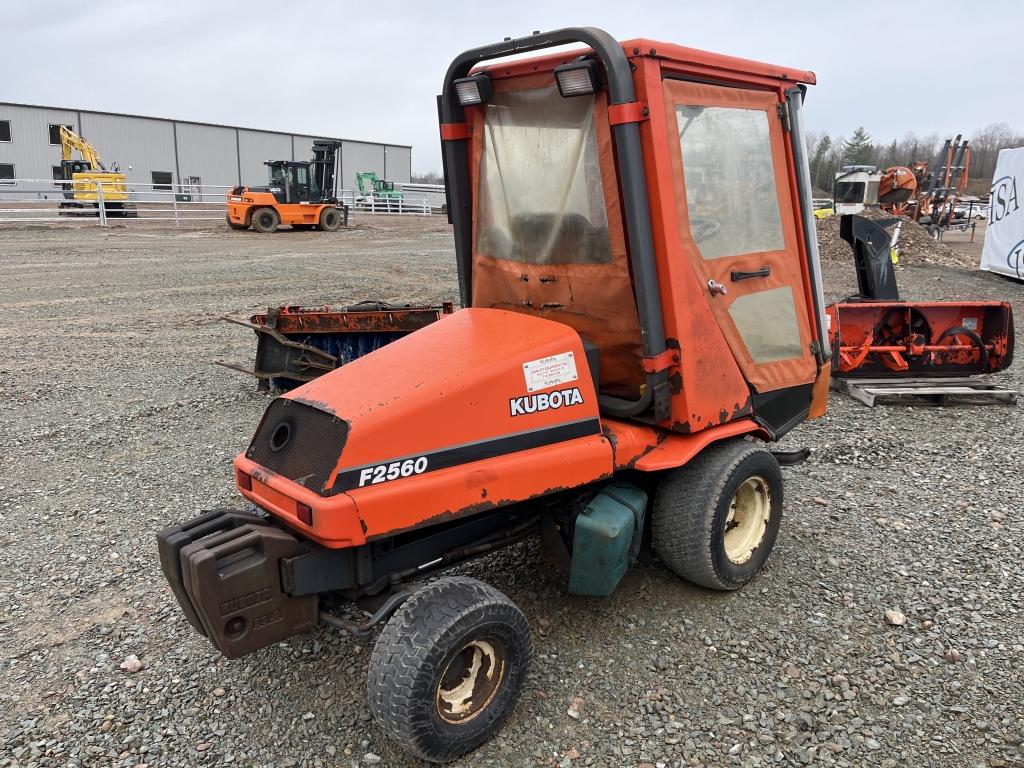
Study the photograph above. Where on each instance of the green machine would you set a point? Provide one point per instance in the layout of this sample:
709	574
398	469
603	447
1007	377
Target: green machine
374	190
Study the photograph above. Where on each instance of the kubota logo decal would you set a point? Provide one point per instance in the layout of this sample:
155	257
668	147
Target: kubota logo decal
545	401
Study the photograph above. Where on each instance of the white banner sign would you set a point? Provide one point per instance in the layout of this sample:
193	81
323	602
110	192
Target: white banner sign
1004	236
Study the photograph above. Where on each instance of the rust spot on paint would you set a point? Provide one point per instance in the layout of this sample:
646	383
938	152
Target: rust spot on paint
741	410
675	383
320	405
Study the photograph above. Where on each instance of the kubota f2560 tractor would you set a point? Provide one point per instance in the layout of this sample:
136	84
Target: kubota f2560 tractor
642	312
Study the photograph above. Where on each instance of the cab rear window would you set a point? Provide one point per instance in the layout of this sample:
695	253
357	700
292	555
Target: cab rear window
540	195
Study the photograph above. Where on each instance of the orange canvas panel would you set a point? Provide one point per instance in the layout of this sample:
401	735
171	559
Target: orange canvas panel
595	299
784	264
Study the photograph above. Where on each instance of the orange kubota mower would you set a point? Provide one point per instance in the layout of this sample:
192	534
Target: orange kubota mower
642	312
302	194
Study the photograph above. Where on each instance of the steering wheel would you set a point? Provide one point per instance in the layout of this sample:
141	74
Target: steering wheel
704	229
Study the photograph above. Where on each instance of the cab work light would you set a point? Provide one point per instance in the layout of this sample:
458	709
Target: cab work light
578	78
473	90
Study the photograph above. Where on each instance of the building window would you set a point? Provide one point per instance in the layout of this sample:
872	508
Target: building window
55	132
162	180
6	173
5	130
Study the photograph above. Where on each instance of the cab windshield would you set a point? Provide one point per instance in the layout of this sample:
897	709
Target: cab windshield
300	182
540	194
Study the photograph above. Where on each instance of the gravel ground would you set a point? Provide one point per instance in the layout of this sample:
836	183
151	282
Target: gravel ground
114	423
917	247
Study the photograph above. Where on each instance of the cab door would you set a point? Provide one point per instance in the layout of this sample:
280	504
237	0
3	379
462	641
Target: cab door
736	217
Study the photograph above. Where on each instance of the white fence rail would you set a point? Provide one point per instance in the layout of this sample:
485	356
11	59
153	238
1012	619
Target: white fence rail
47	200
26	201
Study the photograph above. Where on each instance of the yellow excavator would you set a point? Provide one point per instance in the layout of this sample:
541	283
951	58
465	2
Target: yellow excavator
88	176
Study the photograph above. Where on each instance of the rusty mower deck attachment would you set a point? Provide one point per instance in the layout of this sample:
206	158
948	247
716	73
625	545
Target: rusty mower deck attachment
297	344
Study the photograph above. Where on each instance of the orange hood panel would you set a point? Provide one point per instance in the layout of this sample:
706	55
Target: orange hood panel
483	408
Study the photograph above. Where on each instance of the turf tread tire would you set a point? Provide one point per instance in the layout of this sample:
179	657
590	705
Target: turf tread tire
688	517
412	652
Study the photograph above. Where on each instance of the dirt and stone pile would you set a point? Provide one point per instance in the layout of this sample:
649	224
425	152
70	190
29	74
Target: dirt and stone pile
917	247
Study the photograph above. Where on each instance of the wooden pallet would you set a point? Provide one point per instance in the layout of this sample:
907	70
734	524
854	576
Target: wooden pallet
969	390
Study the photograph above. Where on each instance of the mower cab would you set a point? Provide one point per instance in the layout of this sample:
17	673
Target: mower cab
642	300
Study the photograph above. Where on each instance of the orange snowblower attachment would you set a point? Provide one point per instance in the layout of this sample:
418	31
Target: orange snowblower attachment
886	338
877	335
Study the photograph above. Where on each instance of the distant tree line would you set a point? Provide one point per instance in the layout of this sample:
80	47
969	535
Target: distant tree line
828	154
427	178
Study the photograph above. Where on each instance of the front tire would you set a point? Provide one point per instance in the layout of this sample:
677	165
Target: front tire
715	520
330	220
448	668
265	220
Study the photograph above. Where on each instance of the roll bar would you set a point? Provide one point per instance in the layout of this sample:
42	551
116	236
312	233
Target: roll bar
629	164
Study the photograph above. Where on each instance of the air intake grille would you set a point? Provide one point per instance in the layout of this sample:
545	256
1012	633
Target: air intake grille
299	442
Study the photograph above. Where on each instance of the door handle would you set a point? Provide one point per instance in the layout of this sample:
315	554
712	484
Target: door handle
762	272
717	289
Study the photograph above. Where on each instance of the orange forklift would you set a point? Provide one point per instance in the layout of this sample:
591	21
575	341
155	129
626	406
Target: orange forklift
301	194
642	313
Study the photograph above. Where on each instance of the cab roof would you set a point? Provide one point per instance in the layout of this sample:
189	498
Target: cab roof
683	55
731	67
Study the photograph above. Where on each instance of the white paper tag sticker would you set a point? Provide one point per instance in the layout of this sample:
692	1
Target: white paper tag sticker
970	323
549	371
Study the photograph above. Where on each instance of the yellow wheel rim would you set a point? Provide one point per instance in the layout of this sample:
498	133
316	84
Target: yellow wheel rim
470	681
747	521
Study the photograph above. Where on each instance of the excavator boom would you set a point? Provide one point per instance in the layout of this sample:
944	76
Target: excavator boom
70	141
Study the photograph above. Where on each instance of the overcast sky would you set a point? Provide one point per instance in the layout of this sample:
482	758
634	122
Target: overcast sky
371	70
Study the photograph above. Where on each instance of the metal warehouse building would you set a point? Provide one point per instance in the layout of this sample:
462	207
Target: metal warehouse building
151	150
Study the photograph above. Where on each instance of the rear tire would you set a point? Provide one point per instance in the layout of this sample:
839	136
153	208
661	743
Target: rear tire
265	220
330	219
448	668
715	520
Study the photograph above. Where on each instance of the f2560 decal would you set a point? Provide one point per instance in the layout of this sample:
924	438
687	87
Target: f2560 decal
545	401
465	453
392	471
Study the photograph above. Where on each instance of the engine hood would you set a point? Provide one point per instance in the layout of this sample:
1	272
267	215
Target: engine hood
435	407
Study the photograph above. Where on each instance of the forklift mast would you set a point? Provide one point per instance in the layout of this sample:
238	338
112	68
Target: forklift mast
324	167
312	181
